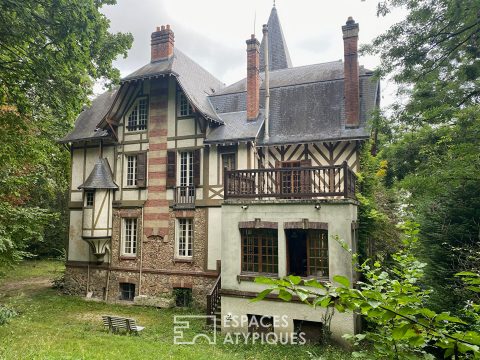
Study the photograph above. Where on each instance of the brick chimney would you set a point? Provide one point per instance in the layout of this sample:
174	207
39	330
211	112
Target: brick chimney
352	81
162	43
253	78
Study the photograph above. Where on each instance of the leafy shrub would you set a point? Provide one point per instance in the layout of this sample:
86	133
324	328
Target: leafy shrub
6	314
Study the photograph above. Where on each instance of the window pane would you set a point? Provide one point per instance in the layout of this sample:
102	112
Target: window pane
260	250
90	197
131	170
318	253
184	108
185	238
137	119
130	236
186	168
142	114
133	119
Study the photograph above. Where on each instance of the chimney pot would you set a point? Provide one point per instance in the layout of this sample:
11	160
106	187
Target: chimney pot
253	78
158	28
162	43
351	73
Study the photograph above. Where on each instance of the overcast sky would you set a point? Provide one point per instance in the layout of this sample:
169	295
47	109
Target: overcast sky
213	32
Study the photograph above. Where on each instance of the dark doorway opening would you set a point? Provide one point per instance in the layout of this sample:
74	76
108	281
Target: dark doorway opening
307	252
297	252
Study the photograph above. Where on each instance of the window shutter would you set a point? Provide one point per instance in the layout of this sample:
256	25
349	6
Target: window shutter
305	177
196	167
141	170
171	168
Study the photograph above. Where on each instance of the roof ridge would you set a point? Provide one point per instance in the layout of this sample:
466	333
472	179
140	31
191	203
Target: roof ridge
176	49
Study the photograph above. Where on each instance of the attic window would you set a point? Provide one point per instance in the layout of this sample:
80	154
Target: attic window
137	117
183	106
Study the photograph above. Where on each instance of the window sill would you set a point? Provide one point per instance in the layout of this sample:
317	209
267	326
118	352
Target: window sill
251	276
181	117
127	257
188	261
135	132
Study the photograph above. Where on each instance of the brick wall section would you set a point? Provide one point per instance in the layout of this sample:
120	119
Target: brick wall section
162	43
253	78
351	82
156	207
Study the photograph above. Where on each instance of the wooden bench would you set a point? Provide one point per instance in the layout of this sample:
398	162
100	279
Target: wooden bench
116	324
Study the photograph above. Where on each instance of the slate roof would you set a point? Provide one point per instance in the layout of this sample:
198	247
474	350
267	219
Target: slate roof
306	104
278	55
195	81
100	177
236	128
88	120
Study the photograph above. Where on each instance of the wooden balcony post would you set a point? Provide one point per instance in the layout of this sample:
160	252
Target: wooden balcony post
225	184
345	179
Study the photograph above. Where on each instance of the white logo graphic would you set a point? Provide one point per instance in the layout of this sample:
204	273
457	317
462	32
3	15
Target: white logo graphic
182	322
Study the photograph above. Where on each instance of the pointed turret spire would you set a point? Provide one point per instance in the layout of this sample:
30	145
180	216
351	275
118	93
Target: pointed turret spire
278	55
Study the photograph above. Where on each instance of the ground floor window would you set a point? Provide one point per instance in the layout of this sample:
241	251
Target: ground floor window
259	250
313	332
307	252
183	297
184	238
260	324
127	291
129	236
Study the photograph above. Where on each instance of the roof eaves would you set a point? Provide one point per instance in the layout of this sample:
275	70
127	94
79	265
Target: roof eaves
350	138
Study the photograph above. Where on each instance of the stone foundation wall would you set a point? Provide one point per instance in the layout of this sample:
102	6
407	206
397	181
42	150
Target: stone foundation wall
153	285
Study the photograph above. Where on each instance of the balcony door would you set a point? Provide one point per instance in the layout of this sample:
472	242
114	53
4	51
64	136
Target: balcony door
293	180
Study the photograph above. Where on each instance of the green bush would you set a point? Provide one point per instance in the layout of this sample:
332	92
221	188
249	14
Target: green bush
6	314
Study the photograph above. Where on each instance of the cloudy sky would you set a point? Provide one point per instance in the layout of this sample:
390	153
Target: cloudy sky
213	32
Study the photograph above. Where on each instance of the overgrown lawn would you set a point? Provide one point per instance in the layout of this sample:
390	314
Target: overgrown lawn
54	326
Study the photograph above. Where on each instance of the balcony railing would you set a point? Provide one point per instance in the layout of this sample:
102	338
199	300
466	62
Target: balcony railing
291	183
184	197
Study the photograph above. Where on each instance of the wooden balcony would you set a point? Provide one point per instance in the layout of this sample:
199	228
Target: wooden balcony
291	183
184	197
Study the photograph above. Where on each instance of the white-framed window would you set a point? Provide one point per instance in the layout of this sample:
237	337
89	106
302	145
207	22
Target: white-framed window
183	105
184	238
137	117
186	168
129	236
131	170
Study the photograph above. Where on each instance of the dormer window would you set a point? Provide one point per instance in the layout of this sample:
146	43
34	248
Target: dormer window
183	105
137	117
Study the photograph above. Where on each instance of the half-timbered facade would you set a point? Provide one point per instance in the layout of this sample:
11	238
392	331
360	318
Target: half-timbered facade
182	185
